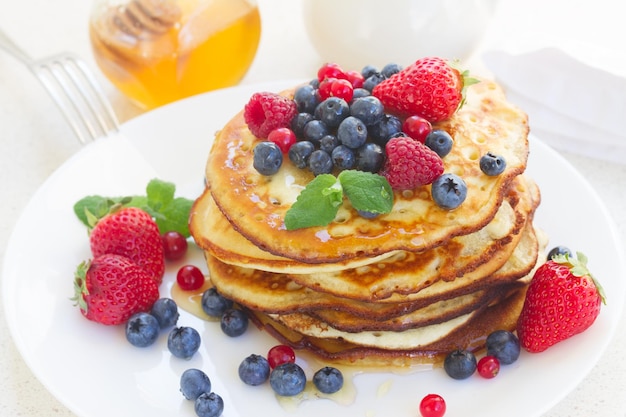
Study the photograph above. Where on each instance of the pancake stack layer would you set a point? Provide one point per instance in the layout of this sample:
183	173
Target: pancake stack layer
405	287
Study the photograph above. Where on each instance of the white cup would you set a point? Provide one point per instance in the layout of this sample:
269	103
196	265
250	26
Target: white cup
355	33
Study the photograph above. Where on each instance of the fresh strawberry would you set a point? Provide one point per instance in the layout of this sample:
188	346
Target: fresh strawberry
563	299
410	164
133	233
111	288
430	88
265	112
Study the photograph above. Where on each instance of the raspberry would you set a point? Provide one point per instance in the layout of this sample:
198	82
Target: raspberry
268	111
410	164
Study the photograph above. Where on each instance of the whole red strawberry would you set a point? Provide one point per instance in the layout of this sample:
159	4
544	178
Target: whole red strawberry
563	299
265	112
429	88
133	233
410	164
111	288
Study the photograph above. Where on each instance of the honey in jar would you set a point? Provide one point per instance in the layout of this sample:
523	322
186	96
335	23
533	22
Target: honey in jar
159	51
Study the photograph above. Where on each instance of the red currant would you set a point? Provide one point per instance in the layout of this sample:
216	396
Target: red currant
432	405
283	137
329	70
488	367
280	354
189	278
174	245
334	87
355	78
417	127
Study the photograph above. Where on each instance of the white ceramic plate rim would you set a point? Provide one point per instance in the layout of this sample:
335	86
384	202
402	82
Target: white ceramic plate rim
66	352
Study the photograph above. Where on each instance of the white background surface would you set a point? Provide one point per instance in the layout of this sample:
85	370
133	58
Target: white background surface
35	141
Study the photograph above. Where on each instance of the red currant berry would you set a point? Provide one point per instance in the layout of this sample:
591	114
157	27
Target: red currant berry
280	354
355	78
330	70
174	245
333	87
189	278
283	137
417	128
432	405
488	367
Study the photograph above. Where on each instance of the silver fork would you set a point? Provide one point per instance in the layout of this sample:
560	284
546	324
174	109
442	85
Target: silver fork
74	89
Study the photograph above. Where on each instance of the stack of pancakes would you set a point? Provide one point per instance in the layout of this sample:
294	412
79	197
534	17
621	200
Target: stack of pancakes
408	286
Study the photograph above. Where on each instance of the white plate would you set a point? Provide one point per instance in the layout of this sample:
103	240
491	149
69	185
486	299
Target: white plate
96	373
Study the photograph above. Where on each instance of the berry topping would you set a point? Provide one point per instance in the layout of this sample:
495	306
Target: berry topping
265	112
193	383
460	364
491	164
504	345
142	329
449	191
280	354
209	405
165	311
352	132
417	127
283	137
332	111
268	158
563	299
432	405
329	70
320	162
430	88
306	98
488	367
234	322
189	278
335	87
410	164
300	152
254	370
368	109
174	245
214	304
559	250
288	379
328	380
439	141
183	342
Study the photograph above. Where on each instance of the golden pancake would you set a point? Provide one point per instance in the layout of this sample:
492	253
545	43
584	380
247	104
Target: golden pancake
256	205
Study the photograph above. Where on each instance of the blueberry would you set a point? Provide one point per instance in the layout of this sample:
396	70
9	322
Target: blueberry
460	364
439	141
368	214
320	162
142	329
214	304
328	380
390	69
373	80
358	93
343	157
352	132
368	71
306	98
254	370
299	121
209	405
267	158
492	164
449	191
369	157
332	111
300	152
288	379
314	131
165	311
183	342
559	250
234	322
315	83
328	143
193	383
384	130
504	345
369	109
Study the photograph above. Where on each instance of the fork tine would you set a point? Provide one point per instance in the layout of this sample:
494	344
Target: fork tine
77	94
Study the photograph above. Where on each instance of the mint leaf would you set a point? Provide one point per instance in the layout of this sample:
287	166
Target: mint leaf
367	191
317	204
169	213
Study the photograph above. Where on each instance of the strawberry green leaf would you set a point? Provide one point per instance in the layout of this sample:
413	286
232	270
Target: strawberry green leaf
366	191
578	268
317	204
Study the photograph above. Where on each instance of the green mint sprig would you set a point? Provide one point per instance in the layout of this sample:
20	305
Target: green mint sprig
169	212
319	201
